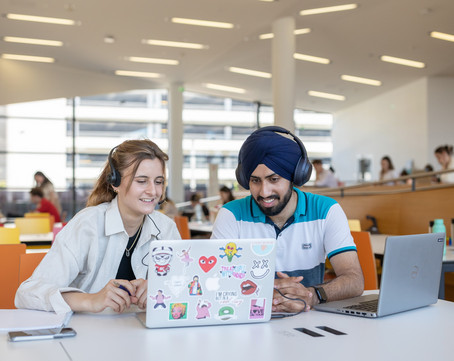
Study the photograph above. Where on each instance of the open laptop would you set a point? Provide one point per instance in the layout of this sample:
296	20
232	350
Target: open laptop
410	278
209	281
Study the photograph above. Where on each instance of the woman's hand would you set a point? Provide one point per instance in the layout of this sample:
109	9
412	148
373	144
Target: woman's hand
140	297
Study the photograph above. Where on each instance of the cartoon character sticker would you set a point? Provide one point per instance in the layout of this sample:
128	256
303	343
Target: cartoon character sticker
260	269
230	251
257	310
207	263
195	287
185	257
177	311
203	309
162	256
160	298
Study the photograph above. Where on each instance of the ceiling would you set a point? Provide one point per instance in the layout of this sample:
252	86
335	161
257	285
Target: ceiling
353	40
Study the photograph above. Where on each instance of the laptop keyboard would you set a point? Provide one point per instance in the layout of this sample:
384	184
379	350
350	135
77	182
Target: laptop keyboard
370	306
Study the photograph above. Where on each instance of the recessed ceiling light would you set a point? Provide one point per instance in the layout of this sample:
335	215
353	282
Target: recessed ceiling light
400	61
138	59
296	32
314	59
442	36
138	74
357	79
208	23
328	9
260	74
225	88
318	94
174	44
14	39
38	59
40	19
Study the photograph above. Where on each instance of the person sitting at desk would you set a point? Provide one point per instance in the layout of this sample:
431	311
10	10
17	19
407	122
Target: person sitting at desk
42	204
308	227
100	258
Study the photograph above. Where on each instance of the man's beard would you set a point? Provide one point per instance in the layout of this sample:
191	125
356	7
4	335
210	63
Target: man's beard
274	211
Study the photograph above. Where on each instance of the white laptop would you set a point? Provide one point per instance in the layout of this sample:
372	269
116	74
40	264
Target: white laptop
209	281
410	278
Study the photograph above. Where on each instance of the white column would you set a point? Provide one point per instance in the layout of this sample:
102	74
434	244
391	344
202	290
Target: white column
283	67
175	189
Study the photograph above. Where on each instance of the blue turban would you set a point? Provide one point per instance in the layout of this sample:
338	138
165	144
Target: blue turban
276	151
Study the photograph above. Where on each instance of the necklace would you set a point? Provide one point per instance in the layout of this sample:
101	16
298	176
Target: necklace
127	251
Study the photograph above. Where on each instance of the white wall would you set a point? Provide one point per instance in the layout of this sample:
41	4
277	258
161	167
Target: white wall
394	124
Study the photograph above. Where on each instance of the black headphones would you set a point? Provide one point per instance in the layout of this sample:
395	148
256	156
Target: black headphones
114	177
303	169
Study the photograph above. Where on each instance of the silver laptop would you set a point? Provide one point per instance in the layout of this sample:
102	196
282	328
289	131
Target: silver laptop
209	281
410	278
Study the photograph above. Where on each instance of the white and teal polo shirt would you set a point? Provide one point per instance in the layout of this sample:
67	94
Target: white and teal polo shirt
319	229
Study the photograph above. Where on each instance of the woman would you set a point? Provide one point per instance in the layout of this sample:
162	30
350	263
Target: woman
387	170
100	258
41	181
444	156
226	194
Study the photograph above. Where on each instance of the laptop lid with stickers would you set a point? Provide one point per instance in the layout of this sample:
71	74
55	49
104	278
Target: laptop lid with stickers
209	281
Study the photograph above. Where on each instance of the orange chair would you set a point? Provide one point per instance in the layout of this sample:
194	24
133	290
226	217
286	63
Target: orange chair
9	235
28	263
182	223
366	259
9	272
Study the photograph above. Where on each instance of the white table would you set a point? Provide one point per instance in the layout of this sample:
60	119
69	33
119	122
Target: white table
418	335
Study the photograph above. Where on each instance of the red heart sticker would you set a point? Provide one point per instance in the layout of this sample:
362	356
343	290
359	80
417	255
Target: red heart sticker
206	264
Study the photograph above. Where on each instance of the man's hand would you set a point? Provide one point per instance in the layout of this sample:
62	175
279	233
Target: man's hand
292	288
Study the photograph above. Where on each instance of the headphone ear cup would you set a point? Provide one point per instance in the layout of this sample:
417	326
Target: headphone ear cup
241	178
303	171
114	178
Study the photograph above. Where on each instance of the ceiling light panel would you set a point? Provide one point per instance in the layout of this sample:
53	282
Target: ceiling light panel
41	19
137	59
442	36
225	88
296	32
174	44
329	9
14	39
208	23
138	74
313	59
357	79
318	94
256	73
37	59
400	61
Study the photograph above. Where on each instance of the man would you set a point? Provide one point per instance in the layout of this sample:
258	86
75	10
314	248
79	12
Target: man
324	177
307	227
42	204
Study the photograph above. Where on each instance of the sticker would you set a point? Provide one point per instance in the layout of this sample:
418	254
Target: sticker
195	288
226	313
262	248
230	251
177	311
260	268
162	256
185	258
206	264
225	297
236	271
159	298
177	284
203	309
212	283
248	287
257	310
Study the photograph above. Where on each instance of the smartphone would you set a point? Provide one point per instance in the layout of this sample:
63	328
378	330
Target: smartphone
43	334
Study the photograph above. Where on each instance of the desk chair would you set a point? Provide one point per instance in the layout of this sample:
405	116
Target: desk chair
42	215
182	223
9	272
27	264
9	235
31	225
354	225
366	259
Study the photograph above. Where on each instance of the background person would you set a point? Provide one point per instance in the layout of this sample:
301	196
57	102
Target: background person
106	245
308	227
42	204
47	187
226	194
444	157
324	177
387	170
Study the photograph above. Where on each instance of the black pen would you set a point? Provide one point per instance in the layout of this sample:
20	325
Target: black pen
122	287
